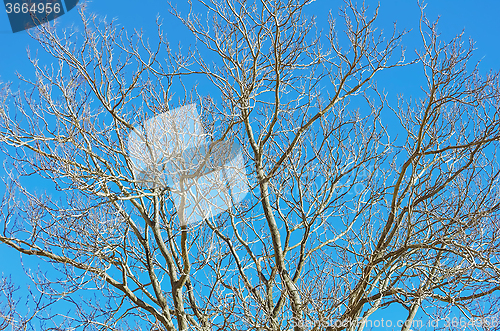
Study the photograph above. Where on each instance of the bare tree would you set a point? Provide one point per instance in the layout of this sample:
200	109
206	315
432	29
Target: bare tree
340	220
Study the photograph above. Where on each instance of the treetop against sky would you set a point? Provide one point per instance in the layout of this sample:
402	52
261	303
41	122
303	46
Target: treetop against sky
237	165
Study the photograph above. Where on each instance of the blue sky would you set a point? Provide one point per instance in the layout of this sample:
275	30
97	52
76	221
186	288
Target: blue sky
480	22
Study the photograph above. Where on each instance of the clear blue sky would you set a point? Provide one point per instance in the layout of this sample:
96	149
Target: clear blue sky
480	19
